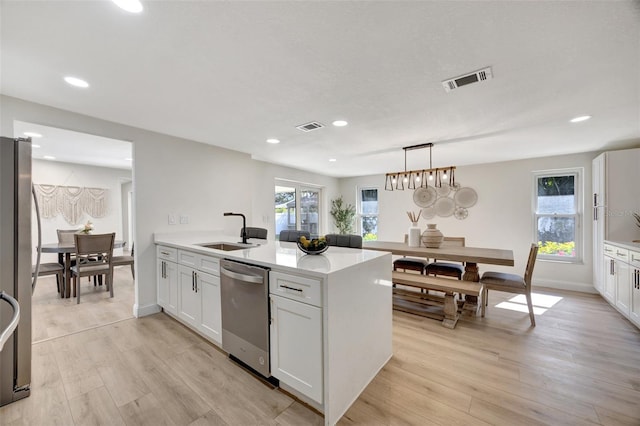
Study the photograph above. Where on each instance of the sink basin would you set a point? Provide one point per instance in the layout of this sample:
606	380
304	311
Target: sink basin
226	246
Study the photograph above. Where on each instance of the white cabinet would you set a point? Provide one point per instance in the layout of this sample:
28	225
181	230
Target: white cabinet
189	288
634	279
622	280
167	279
614	194
296	333
189	306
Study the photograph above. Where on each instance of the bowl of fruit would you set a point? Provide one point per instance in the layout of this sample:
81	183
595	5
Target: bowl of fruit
313	246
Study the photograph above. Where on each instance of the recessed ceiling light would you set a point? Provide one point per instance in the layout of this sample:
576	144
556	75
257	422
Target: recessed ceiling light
49	157
273	141
128	159
579	119
33	145
332	160
32	134
77	82
133	6
339	123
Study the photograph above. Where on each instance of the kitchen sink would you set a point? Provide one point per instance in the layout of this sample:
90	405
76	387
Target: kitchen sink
226	246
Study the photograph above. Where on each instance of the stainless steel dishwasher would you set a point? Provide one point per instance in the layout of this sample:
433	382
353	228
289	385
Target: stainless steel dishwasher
245	313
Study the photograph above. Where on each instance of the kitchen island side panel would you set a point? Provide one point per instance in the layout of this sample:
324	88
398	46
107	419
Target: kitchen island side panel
358	336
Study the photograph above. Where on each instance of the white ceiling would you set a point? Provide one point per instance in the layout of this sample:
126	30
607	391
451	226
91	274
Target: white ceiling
233	74
73	147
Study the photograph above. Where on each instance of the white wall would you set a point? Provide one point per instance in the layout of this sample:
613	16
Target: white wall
68	174
173	176
502	217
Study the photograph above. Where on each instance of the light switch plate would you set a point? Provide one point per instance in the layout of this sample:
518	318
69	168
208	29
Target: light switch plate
184	219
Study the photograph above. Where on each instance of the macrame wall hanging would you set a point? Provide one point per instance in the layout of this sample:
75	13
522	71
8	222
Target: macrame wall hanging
71	202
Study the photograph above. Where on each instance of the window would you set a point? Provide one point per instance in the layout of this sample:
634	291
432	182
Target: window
557	214
297	207
368	213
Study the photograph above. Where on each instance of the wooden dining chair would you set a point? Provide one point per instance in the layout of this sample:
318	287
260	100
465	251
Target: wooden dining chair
447	269
511	283
94	255
51	268
124	261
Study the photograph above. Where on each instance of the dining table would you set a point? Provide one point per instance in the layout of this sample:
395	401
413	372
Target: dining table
470	256
67	249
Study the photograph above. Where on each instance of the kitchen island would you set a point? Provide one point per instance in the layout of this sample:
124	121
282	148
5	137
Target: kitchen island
330	314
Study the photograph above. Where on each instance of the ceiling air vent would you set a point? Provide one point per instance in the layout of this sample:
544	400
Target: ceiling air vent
310	126
463	80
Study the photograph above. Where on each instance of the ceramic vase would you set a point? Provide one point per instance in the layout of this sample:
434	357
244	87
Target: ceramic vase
432	237
414	235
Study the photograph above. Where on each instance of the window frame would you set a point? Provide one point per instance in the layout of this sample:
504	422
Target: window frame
299	187
361	214
577	173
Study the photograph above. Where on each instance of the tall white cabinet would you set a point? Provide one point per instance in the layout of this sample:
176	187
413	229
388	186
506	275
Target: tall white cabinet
615	196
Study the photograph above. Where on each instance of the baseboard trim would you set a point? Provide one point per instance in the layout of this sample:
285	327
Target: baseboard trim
143	311
566	285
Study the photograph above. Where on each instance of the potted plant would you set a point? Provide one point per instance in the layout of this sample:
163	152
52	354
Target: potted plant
343	215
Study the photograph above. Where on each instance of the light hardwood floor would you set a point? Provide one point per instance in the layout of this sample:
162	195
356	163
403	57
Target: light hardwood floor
579	366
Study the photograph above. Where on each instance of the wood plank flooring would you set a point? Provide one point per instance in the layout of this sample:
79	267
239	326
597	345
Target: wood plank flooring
579	366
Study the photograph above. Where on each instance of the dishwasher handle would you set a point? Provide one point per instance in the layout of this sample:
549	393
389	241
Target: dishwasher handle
253	279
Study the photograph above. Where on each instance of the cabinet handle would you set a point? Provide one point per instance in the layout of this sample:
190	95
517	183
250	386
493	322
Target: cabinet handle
291	288
166	253
193	281
595	213
611	271
619	254
164	274
196	280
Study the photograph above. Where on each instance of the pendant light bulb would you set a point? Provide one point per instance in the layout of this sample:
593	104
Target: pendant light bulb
405	179
417	178
444	174
393	179
430	175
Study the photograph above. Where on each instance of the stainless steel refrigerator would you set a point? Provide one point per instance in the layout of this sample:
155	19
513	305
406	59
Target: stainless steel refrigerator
15	267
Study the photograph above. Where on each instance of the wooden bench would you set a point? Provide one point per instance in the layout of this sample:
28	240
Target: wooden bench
417	302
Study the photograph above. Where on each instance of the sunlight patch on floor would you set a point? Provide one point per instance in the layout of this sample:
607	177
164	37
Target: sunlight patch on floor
541	302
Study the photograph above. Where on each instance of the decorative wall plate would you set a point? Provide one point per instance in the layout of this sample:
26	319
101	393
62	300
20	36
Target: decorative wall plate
461	213
424	197
428	212
445	206
466	197
443	190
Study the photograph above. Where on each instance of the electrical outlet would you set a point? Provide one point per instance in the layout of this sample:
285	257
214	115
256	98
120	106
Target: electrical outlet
184	219
172	219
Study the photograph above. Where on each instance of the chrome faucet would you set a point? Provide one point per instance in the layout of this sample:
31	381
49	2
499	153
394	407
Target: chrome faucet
244	225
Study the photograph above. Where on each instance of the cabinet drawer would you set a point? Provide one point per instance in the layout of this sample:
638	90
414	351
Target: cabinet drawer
167	253
200	262
634	258
609	250
303	289
621	254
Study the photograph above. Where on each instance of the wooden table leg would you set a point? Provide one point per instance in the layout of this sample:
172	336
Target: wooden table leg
67	275
450	310
471	273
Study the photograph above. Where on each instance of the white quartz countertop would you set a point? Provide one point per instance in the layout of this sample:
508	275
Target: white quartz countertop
625	244
282	255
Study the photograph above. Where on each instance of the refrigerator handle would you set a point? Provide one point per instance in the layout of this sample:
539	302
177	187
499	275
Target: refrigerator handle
39	247
15	319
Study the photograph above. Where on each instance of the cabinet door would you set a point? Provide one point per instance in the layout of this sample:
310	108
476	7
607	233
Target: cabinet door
598	221
167	286
296	346
609	279
634	314
188	298
623	288
211	319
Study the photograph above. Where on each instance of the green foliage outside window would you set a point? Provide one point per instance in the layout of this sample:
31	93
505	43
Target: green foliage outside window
557	249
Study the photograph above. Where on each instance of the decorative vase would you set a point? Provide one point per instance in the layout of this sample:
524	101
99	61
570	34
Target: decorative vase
432	237
414	235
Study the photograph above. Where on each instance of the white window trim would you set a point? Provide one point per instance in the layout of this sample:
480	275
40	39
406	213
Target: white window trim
299	187
578	172
359	213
